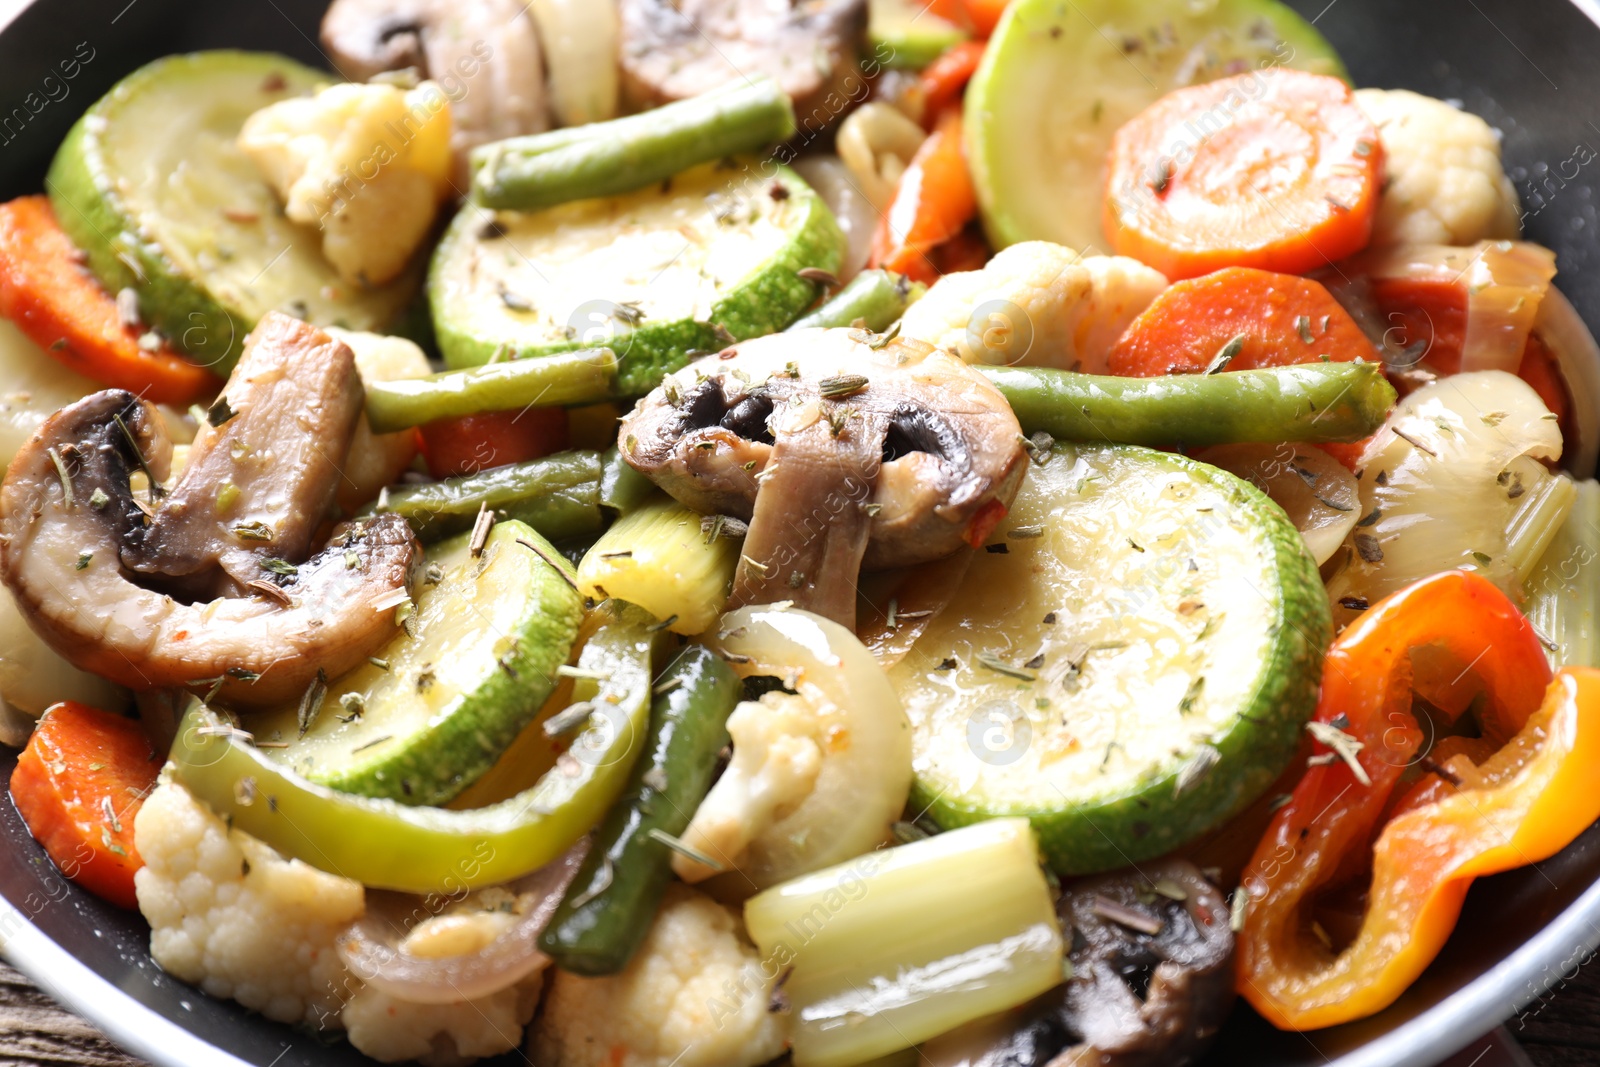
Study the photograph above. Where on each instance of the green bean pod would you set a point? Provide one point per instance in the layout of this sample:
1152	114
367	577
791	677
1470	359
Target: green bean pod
558	495
875	298
619	156
1310	402
612	901
565	378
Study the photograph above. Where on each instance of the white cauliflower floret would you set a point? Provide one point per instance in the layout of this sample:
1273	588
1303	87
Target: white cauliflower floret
777	754
392	1030
1037	304
369	165
696	994
1443	183
441	1035
233	917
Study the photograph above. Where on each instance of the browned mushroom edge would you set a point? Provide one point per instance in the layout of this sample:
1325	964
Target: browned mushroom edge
485	55
134	598
840	449
674	49
1150	984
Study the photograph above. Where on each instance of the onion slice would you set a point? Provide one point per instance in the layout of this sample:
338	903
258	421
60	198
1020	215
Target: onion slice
854	212
1567	337
1317	493
1503	284
371	946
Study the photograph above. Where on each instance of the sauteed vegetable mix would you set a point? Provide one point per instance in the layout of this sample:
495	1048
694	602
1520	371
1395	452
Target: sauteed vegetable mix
696	534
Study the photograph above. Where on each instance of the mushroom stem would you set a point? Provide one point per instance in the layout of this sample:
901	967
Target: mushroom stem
263	471
810	527
844	450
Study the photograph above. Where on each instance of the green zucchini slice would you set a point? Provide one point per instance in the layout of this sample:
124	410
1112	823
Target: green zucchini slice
651	274
1129	665
151	185
435	710
1057	80
909	34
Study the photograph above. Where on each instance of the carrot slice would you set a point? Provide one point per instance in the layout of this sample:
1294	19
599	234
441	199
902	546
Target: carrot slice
59	305
932	203
944	79
985	14
473	443
1277	169
1262	319
78	785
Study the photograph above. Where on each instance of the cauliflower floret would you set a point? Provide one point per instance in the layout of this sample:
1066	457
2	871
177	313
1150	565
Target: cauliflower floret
777	754
447	1035
1038	304
367	164
441	1035
697	994
1443	183
232	916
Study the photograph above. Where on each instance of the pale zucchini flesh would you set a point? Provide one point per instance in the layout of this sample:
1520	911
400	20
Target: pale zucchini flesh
1133	669
435	710
651	274
151	185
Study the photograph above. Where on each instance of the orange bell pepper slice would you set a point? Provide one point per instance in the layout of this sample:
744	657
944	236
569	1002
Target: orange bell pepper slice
933	202
1521	804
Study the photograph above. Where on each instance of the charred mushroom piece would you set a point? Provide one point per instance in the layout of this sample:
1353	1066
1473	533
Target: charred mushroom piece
1151	981
80	555
672	49
485	55
263	470
841	450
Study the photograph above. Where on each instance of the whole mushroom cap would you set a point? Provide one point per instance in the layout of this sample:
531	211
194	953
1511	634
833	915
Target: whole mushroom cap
841	449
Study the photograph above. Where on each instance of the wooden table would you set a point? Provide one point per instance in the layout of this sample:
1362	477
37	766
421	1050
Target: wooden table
1562	1029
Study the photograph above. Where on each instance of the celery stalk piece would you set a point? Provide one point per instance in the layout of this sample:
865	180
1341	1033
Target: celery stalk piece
901	944
1536	522
663	559
1564	589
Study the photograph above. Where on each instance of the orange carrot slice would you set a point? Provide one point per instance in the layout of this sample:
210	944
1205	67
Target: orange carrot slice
1277	169
78	785
46	291
1258	318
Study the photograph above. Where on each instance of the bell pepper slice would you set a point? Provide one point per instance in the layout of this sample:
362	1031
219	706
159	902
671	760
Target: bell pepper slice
387	845
1461	819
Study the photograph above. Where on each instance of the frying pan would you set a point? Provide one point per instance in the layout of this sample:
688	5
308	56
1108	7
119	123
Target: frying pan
1527	66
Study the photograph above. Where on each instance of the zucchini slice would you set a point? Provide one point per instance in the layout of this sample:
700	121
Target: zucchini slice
436	709
909	34
651	274
1057	80
1130	669
150	184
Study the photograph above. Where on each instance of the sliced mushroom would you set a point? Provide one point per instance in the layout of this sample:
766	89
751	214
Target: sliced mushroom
70	525
263	469
672	49
1151	980
841	450
485	55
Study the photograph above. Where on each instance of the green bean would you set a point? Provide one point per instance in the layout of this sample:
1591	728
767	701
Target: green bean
558	495
607	158
622	489
875	298
566	378
1310	402
612	901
